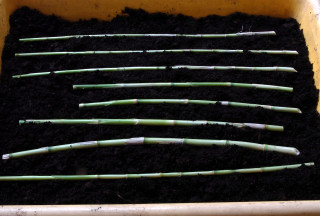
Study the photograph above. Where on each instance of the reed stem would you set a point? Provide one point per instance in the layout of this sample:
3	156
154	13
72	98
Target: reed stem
151	140
176	67
153	122
278	52
187	101
275	52
129	52
186	84
239	34
154	175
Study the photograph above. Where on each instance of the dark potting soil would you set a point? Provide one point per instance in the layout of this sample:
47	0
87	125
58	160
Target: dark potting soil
53	97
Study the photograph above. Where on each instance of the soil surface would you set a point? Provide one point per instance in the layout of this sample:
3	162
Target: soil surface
53	97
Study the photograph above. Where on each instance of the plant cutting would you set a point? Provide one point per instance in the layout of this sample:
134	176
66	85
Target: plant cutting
106	52
239	34
152	122
152	140
149	68
187	101
154	175
185	84
275	52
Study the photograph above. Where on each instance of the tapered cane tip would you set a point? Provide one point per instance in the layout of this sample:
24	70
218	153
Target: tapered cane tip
22	122
16	76
5	156
309	164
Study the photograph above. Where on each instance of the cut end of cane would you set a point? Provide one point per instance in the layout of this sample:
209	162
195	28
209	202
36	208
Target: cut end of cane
309	164
287	69
16	76
22	122
299	111
81	105
275	128
297	151
289	89
5	156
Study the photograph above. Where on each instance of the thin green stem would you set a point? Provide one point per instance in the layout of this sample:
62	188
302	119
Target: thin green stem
277	52
186	84
153	122
187	101
154	175
175	67
152	140
239	34
129	52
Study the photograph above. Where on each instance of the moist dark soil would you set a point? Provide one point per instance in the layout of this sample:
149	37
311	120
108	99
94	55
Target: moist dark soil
53	97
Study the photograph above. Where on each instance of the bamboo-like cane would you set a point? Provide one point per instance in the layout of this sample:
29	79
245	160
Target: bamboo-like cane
152	140
175	67
276	52
152	122
239	34
283	52
186	84
154	175
129	52
187	101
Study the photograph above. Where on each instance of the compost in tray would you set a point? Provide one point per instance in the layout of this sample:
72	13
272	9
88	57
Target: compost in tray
53	97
